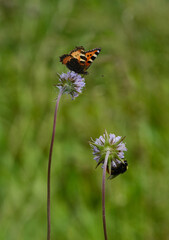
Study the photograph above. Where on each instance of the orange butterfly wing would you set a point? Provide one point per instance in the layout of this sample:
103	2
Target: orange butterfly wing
66	58
91	56
77	53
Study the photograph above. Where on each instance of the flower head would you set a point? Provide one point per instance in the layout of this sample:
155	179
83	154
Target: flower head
71	83
116	162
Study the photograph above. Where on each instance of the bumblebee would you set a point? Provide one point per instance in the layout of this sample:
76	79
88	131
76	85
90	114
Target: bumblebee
118	167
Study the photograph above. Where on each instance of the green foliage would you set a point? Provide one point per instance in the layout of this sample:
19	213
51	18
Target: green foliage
127	92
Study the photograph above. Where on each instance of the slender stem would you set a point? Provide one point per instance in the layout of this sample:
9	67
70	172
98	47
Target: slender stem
49	167
103	194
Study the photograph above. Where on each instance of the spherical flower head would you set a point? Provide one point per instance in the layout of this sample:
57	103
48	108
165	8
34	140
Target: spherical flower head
115	145
71	83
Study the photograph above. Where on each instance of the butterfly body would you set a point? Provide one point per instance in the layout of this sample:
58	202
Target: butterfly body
79	60
117	168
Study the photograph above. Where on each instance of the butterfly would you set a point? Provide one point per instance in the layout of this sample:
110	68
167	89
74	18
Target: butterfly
78	60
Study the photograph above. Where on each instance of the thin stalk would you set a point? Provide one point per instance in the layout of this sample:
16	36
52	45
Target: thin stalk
103	194
49	167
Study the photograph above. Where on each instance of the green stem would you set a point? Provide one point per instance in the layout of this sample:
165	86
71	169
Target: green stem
103	194
49	167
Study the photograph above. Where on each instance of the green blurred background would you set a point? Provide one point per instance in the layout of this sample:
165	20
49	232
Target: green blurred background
127	92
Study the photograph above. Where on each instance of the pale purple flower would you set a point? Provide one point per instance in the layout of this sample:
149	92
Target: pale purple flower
71	83
116	147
